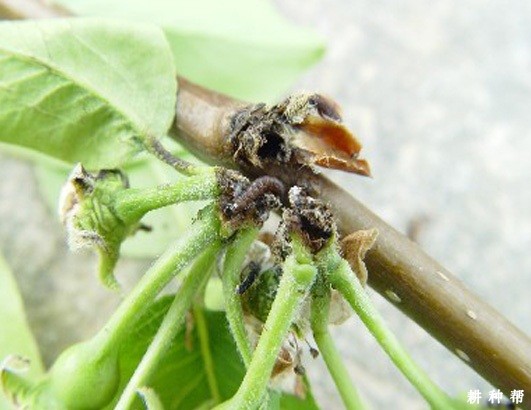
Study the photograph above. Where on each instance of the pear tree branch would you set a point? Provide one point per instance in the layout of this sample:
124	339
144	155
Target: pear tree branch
398	268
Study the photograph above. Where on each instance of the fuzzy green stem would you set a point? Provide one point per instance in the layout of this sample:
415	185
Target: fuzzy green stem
176	257
232	266
131	204
171	325
202	331
296	280
346	282
332	358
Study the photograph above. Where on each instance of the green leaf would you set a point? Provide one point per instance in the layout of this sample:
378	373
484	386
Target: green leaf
15	335
84	90
181	382
244	48
167	224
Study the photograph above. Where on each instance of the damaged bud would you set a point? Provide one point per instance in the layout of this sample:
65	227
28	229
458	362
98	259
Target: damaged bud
86	210
289	359
260	295
309	218
242	201
15	385
303	130
354	247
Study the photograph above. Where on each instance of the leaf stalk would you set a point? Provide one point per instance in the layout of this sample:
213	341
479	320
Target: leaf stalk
347	283
234	257
328	350
297	278
171	325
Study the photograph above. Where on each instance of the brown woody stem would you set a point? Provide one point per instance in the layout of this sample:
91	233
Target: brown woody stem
30	9
428	293
435	299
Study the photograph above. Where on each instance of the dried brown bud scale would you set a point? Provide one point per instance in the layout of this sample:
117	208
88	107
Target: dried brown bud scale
309	218
303	130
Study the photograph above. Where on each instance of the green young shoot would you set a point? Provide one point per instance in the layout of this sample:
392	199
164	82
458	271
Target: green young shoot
203	233
319	320
347	283
297	278
87	373
172	323
86	208
101	210
132	204
232	266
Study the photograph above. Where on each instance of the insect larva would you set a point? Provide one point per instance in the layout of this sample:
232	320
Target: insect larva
253	269
258	188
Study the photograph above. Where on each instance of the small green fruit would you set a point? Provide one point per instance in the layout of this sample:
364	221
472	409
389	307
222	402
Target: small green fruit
83	378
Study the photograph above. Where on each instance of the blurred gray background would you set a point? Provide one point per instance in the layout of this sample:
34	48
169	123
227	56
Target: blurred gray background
440	94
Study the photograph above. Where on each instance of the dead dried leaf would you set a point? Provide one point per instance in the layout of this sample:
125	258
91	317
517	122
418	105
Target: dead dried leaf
354	247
